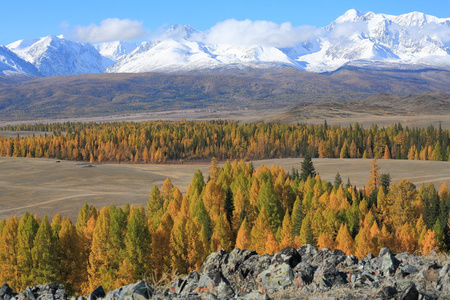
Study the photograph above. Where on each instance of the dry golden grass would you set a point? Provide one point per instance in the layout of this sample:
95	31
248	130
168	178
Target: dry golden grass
45	186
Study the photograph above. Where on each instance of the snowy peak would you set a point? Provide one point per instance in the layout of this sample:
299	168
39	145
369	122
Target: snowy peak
179	32
351	15
115	50
54	56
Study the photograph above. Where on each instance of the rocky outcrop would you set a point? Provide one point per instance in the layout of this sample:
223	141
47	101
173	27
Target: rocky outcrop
291	273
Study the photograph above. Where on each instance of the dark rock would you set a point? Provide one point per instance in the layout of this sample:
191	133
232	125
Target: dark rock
307	252
410	293
387	292
97	293
288	255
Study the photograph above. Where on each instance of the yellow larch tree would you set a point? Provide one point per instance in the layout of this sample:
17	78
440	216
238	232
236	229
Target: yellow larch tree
325	240
429	242
286	238
8	256
344	240
259	232
243	240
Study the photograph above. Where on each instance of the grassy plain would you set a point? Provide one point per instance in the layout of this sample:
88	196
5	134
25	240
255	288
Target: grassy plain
46	186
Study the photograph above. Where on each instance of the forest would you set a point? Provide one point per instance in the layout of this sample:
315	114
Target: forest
236	205
175	142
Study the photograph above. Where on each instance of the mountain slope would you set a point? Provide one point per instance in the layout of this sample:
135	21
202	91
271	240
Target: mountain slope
11	64
106	94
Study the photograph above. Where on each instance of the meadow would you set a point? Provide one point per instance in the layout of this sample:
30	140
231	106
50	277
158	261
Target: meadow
48	186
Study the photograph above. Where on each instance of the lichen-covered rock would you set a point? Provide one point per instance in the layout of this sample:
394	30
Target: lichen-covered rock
276	277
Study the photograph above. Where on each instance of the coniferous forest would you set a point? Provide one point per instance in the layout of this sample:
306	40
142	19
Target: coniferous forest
160	142
235	205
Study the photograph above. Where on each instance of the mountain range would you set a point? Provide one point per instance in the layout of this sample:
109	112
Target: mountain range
355	39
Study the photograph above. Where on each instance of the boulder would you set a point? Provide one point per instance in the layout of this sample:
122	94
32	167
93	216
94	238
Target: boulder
388	264
288	255
276	278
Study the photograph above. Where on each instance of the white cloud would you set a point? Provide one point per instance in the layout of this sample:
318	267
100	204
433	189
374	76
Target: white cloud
109	30
265	33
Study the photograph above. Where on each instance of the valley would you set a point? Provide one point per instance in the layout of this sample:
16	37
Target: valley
47	186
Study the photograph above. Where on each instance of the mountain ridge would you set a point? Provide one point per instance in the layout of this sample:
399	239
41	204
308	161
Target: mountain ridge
414	40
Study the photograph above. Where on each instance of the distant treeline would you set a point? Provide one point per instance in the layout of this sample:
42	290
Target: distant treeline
236	206
160	142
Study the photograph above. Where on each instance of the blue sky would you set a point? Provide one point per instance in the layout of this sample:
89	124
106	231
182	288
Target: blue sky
24	19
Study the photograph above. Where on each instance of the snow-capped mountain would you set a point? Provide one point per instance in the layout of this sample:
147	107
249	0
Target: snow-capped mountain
113	51
11	64
367	40
54	56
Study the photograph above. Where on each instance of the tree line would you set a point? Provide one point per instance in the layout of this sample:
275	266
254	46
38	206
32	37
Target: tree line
159	142
265	210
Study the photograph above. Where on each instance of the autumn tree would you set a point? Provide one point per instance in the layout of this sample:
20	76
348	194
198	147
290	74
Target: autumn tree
43	253
344	240
243	240
136	254
9	269
374	180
